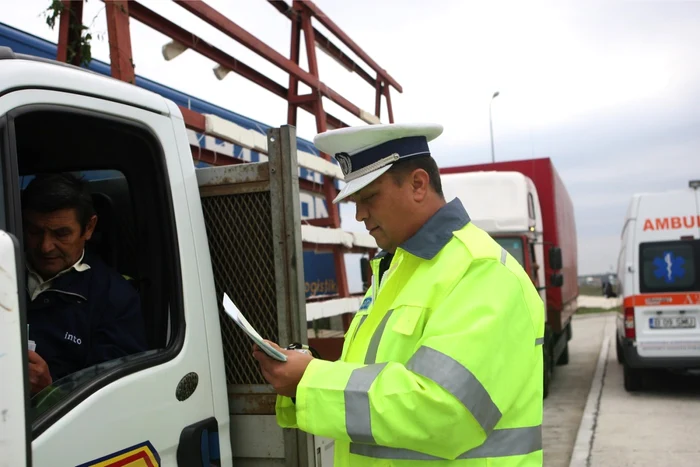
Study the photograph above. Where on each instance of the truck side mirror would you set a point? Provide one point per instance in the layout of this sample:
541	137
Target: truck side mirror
555	261
556	280
365	272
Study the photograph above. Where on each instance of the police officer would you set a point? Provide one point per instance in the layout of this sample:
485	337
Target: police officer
443	361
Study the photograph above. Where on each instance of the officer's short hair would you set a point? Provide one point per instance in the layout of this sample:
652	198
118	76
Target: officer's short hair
52	192
400	170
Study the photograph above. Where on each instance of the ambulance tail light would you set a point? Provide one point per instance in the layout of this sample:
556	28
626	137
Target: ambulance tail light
629	323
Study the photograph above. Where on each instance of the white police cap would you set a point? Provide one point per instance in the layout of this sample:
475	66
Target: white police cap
366	152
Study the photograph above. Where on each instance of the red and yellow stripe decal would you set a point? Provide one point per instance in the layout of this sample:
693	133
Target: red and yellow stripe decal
140	455
665	299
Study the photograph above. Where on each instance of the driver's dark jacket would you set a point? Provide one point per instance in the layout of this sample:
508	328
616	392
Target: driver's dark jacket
86	318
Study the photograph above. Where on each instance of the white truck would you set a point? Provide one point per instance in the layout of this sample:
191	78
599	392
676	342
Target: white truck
658	325
185	237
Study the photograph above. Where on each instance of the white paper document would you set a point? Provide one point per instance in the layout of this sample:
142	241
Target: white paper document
243	323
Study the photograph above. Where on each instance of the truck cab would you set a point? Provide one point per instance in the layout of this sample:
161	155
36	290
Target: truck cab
658	325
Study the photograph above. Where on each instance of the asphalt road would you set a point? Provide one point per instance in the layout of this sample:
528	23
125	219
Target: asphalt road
563	408
659	426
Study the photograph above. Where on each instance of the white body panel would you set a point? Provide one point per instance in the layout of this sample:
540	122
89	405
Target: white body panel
22	74
496	201
668	218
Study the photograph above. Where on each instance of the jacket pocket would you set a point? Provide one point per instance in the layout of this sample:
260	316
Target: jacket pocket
403	331
407	319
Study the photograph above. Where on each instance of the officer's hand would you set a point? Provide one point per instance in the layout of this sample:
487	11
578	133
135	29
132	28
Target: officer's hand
283	376
39	376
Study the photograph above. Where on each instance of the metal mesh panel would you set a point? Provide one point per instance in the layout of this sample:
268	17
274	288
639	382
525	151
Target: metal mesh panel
242	254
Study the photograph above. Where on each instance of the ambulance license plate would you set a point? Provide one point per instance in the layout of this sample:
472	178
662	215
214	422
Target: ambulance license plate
682	322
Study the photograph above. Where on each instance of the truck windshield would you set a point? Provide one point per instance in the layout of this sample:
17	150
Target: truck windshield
514	246
669	266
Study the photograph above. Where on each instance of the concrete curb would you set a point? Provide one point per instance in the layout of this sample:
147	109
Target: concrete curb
586	430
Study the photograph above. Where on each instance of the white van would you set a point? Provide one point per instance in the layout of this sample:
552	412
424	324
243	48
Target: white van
659	322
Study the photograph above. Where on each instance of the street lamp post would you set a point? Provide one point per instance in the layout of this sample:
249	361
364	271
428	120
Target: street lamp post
493	156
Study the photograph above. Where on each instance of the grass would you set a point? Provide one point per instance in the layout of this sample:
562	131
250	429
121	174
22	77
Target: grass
590	290
589	311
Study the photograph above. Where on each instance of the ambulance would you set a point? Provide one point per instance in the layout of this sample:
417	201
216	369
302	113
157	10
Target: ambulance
658	325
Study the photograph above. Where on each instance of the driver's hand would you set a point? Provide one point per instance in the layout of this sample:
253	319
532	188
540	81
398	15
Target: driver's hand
39	376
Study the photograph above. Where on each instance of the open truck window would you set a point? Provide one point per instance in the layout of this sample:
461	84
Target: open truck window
124	169
669	266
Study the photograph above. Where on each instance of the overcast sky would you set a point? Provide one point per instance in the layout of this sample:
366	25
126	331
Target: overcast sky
608	90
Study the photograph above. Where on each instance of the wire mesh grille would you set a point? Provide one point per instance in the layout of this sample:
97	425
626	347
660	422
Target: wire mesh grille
242	254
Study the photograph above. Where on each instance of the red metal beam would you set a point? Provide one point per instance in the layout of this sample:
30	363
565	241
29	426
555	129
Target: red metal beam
121	60
330	348
320	248
303	98
323	42
193	120
328	183
69	31
228	27
320	222
212	157
293	90
175	32
310	40
332	27
388	104
378	87
347	320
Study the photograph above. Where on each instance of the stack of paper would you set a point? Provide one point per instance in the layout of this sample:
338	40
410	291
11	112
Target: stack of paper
243	323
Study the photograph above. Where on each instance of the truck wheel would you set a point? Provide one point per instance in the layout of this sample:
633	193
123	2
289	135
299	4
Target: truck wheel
564	357
632	377
618	348
569	332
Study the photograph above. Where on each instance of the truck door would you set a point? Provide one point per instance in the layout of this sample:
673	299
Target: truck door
14	436
14	433
152	407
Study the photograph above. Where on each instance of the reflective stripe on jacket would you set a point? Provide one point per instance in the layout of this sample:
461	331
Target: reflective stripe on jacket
443	365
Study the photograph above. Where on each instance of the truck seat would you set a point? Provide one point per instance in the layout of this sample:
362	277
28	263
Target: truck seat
111	239
115	241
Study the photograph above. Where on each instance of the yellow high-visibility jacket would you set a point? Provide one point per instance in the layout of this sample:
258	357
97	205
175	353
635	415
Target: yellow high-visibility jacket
441	366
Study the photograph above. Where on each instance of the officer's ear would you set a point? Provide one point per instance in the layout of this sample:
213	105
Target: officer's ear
420	184
90	227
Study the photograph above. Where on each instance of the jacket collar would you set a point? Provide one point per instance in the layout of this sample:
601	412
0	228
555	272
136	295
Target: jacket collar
70	281
434	234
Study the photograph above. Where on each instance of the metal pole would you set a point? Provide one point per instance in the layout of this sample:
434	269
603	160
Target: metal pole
493	156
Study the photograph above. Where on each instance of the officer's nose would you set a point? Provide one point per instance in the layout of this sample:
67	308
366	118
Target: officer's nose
360	212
